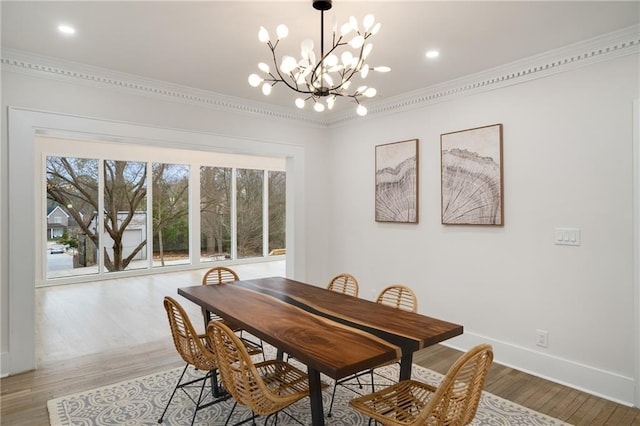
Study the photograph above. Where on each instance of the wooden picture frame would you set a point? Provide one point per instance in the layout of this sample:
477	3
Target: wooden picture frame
396	190
471	177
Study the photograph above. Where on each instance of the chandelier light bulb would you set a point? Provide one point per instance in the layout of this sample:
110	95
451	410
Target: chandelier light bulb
368	22
354	23
331	61
345	29
357	42
370	92
327	73
367	49
255	80
263	35
328	79
306	46
289	63
312	59
346	58
282	31
364	72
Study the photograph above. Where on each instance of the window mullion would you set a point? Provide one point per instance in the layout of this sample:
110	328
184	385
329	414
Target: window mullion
100	218
234	214
265	213
149	227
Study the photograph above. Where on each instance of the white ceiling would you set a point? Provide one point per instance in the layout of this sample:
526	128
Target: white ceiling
213	45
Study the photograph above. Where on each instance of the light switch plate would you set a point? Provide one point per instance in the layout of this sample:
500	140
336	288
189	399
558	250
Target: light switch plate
567	236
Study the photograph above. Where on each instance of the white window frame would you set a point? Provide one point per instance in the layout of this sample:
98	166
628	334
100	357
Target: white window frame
101	151
25	166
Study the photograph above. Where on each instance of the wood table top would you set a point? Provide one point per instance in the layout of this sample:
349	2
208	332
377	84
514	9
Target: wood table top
333	333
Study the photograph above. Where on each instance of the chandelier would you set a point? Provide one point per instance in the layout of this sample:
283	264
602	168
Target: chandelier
330	76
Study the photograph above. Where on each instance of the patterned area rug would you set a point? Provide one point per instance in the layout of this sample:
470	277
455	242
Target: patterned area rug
140	401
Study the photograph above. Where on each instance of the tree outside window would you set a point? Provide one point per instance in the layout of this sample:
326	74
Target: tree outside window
170	210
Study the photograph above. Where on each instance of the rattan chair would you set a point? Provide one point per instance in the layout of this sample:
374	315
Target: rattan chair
265	387
344	283
454	402
399	297
196	351
219	275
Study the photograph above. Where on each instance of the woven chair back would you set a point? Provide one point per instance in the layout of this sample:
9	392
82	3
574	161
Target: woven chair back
219	275
456	400
193	348
239	374
400	297
214	276
344	283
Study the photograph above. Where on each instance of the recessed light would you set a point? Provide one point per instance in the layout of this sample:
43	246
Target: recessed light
66	29
432	54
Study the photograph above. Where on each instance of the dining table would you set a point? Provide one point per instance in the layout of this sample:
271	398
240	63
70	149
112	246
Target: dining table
331	333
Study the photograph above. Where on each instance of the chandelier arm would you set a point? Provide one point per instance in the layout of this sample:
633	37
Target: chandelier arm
314	73
355	69
282	78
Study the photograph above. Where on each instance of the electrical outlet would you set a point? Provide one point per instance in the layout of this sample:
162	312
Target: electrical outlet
542	338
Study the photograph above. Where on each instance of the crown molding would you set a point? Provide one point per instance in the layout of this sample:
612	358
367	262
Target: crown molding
598	49
603	48
23	62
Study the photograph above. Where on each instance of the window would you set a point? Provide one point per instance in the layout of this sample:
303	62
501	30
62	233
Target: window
72	185
125	215
215	213
170	214
249	212
277	212
106	210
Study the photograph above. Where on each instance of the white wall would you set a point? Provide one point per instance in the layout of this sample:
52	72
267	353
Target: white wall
567	163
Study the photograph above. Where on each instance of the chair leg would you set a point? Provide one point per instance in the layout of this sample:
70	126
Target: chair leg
275	419
231	413
358	380
195	410
333	395
173	394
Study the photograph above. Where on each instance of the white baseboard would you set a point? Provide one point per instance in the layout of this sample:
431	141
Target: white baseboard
601	383
4	364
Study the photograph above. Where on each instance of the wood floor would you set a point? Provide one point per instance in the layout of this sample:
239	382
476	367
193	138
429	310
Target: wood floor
68	364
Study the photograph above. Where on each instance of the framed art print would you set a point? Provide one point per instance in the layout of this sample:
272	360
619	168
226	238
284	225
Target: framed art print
397	182
471	176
